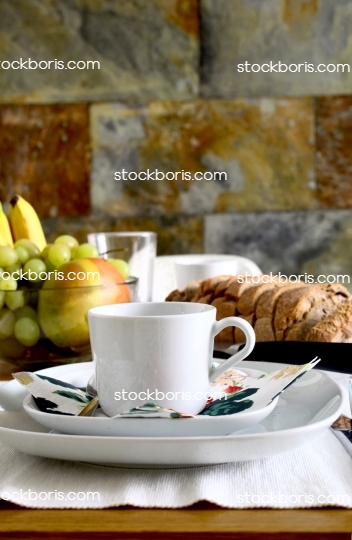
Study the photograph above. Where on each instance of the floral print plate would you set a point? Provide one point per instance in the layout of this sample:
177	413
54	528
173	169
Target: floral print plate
248	397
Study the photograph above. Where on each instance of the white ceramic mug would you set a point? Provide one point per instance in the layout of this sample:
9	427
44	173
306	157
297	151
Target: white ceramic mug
143	348
199	268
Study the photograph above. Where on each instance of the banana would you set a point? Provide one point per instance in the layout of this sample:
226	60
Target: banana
5	233
25	223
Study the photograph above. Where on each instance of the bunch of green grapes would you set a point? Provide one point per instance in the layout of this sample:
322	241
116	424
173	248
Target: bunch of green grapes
19	326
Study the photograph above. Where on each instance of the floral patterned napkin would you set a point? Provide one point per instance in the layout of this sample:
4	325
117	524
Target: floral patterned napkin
237	390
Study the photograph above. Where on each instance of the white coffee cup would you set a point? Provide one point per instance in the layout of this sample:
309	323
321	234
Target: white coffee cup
194	268
142	348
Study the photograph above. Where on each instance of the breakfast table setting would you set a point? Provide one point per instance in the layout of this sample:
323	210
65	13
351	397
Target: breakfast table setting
165	426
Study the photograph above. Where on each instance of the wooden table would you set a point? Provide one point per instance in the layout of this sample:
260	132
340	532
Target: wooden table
202	520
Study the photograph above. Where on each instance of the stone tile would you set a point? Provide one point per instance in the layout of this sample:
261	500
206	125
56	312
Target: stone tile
315	242
176	235
45	157
334	157
146	49
291	31
264	145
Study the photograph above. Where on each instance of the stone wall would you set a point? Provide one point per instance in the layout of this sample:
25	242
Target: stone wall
168	96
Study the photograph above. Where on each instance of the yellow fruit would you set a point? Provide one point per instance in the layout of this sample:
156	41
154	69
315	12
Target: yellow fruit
5	232
25	223
64	303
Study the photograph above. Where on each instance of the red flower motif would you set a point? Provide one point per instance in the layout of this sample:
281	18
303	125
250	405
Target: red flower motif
231	389
210	400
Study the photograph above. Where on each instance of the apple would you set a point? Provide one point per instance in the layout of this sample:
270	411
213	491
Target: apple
121	265
64	302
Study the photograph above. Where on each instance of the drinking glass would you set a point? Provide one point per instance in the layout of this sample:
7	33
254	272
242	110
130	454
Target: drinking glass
138	249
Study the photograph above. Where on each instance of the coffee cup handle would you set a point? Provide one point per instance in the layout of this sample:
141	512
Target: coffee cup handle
240	355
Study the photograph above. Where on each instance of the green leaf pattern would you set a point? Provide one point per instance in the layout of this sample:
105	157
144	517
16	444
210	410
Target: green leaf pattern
233	404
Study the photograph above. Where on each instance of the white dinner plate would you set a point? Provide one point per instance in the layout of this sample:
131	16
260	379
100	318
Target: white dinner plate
165	274
102	425
303	412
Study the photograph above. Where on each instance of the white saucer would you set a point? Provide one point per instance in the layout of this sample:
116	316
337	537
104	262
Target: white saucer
102	425
165	273
303	412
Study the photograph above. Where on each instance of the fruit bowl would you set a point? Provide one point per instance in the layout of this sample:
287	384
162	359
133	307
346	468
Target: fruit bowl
47	326
46	291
